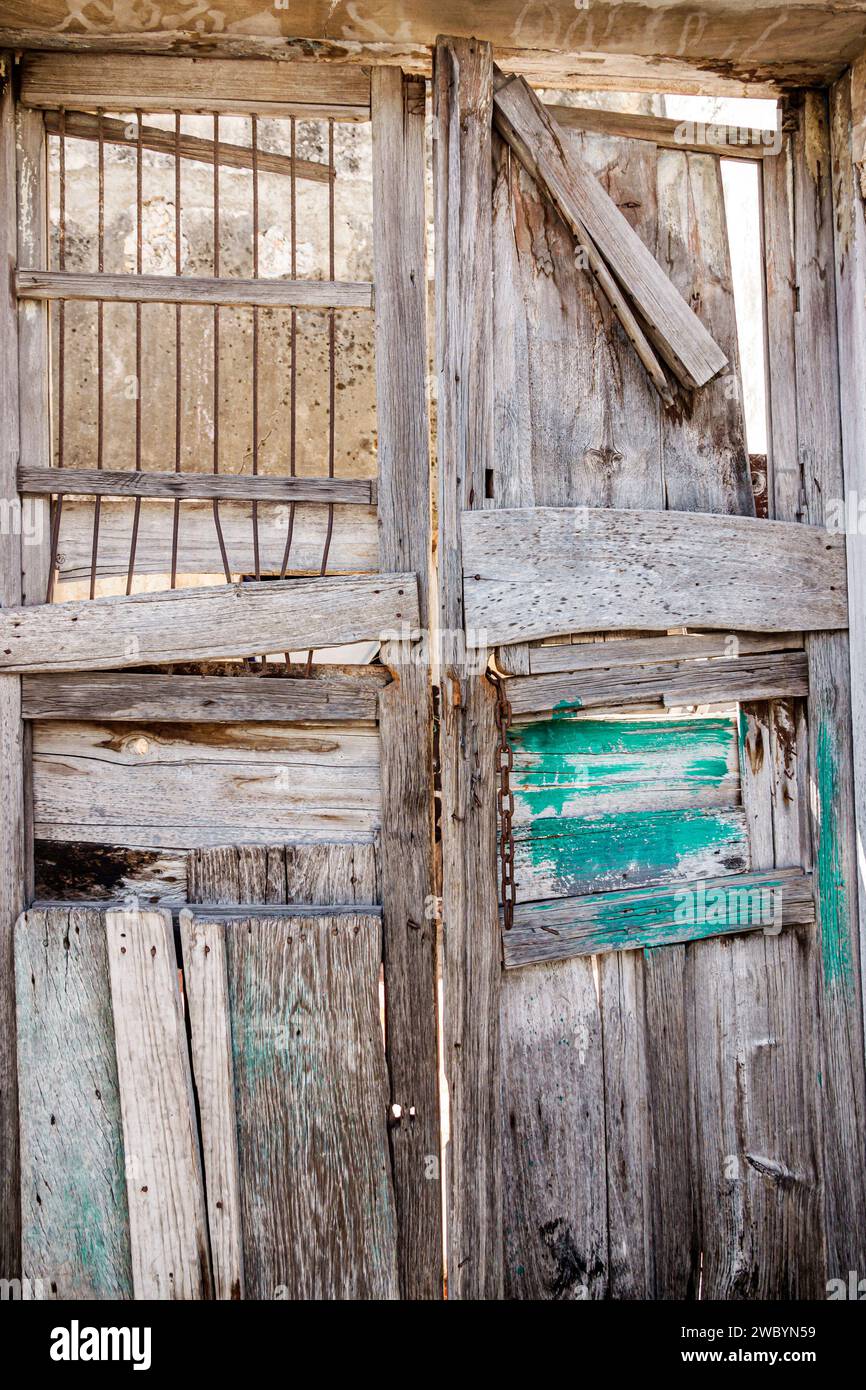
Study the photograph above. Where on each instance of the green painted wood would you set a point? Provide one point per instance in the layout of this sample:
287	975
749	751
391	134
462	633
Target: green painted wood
73	1183
634	920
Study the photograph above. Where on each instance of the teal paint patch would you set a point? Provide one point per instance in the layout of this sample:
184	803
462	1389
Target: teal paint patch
682	915
832	894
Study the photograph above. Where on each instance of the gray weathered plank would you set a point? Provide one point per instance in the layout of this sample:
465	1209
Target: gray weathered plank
201	699
75	1234
95	482
231	620
189	289
543	571
598	655
167	1222
702	137
523	121
406	706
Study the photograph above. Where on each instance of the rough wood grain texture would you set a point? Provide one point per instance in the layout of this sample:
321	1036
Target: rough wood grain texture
75	1237
13	857
598	655
138	698
843	1088
406	707
81	125
205	984
183	785
340	873
74	871
645	918
106	483
536	572
189	289
231	620
674	683
160	84
471	963
354	542
699	136
553	1135
167	1222
524	123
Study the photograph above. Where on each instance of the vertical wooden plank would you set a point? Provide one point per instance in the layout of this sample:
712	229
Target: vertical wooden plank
34	363
75	1234
206	989
311	1093
13	857
406	706
168	1228
831	766
471	937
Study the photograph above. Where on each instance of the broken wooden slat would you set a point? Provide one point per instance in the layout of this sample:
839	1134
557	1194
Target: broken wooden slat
524	123
176	786
81	125
97	482
142	82
73	871
597	656
699	136
205	986
75	1236
638	919
197	699
232	620
673	683
543	571
189	289
168	1228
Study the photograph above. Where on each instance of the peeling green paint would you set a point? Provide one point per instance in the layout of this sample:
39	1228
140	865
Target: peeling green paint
832	894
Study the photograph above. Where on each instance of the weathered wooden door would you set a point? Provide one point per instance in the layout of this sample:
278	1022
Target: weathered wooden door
657	1089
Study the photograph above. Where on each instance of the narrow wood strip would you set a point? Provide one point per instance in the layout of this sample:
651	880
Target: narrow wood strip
776	675
95	482
700	137
194	699
597	656
245	912
168	1227
81	125
189	289
638	919
205	985
235	620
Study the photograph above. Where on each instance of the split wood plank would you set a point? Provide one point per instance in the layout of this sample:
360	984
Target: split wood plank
524	123
640	919
189	289
673	683
537	572
176	786
72	871
75	1233
149	83
406	706
317	1205
98	482
471	965
229	621
201	699
167	1222
81	125
700	137
205	984
340	873
597	656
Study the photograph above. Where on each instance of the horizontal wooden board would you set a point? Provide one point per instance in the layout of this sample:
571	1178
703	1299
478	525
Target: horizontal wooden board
202	699
542	571
633	651
148	83
354	542
702	137
103	482
189	289
232	620
562	928
775	676
151	786
81	125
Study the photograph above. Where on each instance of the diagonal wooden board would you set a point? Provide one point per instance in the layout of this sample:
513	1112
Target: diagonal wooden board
538	572
232	620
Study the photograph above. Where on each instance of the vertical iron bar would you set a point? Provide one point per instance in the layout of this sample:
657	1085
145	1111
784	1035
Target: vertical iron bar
100	351
177	347
61	360
293	358
139	203
255	156
216	342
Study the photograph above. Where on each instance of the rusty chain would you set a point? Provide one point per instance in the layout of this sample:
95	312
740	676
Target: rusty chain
505	802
